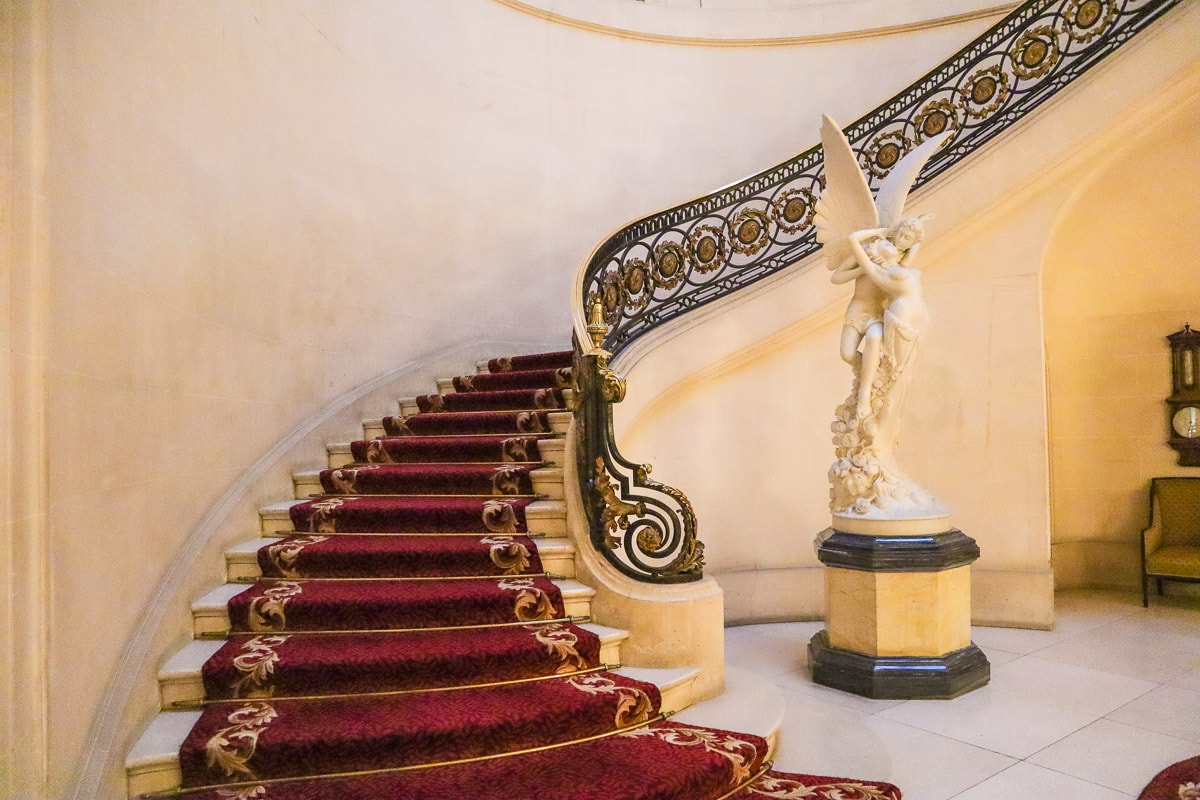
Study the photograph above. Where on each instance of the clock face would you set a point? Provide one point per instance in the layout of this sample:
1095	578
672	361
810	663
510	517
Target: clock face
1186	422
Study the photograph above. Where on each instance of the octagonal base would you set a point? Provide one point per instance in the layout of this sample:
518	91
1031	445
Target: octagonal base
897	677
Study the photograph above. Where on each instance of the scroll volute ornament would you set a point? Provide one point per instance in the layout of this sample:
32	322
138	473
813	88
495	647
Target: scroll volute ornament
616	511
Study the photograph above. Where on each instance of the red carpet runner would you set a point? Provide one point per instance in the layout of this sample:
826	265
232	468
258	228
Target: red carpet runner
406	642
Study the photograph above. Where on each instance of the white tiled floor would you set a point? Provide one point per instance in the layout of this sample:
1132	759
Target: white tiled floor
1092	709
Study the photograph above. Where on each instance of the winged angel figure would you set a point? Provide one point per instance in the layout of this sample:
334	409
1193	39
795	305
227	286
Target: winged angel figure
870	241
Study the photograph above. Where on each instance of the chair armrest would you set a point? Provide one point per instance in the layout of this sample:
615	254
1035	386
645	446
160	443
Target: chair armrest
1151	539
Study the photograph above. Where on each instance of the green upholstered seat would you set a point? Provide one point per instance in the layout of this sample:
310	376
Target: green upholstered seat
1171	545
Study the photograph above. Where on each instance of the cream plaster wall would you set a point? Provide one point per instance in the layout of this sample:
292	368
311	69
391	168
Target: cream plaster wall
252	208
1120	275
733	404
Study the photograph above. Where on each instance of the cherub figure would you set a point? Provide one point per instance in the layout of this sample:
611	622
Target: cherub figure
868	240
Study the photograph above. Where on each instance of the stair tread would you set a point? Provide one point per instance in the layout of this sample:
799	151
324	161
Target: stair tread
247	551
219	597
160	743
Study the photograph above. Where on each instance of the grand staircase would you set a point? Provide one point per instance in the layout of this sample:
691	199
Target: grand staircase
410	628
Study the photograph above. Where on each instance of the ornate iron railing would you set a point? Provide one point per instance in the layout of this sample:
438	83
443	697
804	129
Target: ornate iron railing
667	264
645	528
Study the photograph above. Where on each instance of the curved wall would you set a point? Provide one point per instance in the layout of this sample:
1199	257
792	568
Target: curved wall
1120	275
244	210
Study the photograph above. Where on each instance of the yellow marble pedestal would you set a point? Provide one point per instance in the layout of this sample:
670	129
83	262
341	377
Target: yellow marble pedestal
898	615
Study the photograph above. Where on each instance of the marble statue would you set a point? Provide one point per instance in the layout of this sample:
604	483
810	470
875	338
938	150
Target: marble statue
868	240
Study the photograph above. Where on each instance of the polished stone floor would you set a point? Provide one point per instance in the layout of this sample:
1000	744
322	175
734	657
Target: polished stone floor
1092	709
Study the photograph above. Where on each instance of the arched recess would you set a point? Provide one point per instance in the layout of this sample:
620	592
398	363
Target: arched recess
1121	272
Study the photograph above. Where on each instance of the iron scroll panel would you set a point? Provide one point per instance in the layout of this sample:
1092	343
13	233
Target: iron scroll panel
645	529
669	263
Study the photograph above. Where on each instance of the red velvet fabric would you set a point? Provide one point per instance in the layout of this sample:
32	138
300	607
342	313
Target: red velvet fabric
272	664
411	514
525	379
402	556
457	423
797	786
562	358
663	761
511	400
300	737
1180	781
407	483
495	479
494	448
282	605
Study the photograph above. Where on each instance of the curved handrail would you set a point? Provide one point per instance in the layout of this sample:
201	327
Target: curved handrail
660	267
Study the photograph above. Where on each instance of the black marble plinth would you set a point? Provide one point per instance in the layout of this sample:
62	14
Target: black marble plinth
897	677
930	552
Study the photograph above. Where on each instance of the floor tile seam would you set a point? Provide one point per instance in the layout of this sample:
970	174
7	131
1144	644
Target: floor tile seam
1073	777
1194	741
1013	759
1072	732
1005	768
1043	702
1034	656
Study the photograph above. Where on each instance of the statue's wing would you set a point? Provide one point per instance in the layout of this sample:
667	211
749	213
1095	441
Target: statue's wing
893	192
845	205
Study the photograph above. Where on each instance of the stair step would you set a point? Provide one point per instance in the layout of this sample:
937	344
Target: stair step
547	517
241	560
153	763
180	679
559	399
344	734
546	481
501	381
210	612
458	423
492	449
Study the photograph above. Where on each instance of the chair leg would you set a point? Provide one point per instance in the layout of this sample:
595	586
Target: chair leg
1145	591
1158	581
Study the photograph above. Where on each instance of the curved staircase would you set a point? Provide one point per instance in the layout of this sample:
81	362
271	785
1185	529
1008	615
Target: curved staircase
410	628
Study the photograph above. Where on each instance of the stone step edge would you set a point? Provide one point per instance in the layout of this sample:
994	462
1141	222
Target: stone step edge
153	762
559	422
210	612
547	517
547	481
552	451
241	560
179	678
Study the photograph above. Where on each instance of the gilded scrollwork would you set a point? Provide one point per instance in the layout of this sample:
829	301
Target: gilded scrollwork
616	512
230	749
507	554
256	665
560	643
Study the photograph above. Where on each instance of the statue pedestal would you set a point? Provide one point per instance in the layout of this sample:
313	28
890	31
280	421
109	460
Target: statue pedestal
898	610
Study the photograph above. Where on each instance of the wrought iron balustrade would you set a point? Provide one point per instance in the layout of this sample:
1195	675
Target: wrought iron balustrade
669	263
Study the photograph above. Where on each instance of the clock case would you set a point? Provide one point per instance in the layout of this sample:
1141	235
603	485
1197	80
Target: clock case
1185	391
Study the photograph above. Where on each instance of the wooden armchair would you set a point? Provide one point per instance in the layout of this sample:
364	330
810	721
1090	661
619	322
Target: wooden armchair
1171	545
